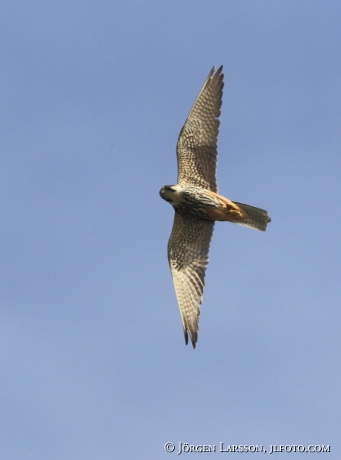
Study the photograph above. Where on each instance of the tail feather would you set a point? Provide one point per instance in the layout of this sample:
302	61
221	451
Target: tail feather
256	218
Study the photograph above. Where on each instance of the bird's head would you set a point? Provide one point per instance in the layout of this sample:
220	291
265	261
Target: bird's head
169	193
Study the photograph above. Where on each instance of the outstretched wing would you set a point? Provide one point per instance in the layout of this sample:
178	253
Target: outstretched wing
188	248
197	144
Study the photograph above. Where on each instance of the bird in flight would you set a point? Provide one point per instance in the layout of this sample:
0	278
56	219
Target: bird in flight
197	204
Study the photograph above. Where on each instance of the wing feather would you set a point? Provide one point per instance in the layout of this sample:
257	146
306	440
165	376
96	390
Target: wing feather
197	143
188	248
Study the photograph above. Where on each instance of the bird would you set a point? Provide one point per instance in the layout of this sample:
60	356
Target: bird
198	205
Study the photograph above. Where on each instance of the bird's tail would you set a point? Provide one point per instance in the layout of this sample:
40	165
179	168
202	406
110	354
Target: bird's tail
256	218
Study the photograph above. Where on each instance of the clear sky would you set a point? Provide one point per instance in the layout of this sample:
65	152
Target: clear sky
93	360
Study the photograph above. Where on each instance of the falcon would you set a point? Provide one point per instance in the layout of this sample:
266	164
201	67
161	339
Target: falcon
197	204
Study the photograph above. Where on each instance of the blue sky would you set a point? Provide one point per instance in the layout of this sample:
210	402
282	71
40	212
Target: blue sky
93	360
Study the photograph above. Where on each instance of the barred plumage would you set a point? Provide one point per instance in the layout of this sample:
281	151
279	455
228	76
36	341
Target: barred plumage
195	200
197	205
